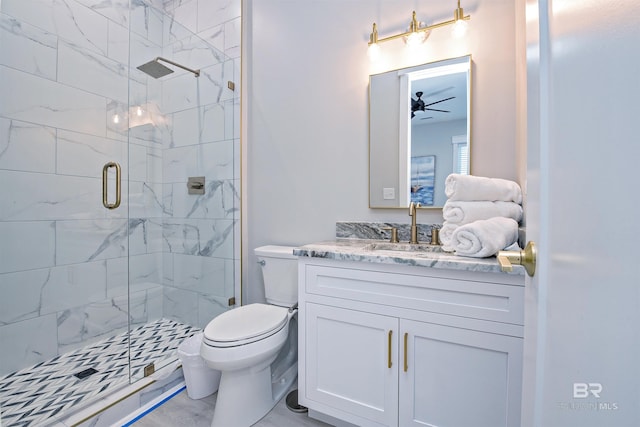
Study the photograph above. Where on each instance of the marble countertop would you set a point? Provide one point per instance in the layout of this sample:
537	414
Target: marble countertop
364	250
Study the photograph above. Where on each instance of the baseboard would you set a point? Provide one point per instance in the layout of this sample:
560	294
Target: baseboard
328	419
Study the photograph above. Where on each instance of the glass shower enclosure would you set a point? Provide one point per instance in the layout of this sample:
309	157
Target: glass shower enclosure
109	255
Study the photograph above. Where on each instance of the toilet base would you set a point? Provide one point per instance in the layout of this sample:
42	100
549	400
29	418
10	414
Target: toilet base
247	395
244	396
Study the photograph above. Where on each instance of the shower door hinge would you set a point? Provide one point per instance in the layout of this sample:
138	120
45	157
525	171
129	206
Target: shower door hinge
231	85
149	369
232	301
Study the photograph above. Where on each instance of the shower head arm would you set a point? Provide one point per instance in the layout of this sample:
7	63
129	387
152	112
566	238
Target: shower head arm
196	72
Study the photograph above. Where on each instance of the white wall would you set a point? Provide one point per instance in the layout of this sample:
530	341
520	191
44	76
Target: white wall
305	142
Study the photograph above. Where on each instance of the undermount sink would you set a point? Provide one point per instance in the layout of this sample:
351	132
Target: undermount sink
403	247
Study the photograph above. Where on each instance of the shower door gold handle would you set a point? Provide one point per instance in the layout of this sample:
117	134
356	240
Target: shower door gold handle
105	187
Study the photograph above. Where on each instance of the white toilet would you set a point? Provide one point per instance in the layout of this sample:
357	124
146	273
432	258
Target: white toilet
256	346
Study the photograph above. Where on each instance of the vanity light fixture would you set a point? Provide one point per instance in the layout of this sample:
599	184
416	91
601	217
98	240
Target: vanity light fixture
415	37
374	48
417	34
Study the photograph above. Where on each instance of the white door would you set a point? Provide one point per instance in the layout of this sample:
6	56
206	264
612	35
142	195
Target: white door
582	328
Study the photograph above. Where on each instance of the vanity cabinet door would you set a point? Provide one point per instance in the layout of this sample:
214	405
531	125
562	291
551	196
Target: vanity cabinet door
347	364
459	377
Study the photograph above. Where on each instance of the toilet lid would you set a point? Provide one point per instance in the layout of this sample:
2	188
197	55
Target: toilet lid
246	322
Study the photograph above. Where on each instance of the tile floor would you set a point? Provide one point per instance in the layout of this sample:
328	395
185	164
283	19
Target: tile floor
184	412
41	393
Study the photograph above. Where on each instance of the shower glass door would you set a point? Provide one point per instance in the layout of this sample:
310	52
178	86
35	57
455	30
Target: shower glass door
64	227
107	261
183	260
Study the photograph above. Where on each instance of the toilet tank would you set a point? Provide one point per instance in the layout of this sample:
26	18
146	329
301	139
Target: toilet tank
280	274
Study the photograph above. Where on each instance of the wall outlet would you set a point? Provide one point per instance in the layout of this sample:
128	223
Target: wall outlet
388	193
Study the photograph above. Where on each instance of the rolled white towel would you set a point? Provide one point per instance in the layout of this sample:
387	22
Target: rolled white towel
446	233
469	187
463	212
485	237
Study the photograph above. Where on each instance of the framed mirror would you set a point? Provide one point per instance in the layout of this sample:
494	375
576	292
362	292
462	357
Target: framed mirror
419	132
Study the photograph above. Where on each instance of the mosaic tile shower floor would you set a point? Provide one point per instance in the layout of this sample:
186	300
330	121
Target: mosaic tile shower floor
36	395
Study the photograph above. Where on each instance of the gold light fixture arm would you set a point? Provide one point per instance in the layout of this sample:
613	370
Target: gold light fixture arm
374	35
458	13
414	26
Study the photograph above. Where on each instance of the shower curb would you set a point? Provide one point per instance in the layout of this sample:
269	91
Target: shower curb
110	410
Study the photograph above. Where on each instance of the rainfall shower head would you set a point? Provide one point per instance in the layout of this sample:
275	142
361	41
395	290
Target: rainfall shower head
156	70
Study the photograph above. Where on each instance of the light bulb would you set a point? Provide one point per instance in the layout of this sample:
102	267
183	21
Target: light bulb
374	52
116	119
414	39
459	29
139	112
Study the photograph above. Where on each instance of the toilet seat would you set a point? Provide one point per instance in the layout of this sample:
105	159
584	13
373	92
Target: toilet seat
245	324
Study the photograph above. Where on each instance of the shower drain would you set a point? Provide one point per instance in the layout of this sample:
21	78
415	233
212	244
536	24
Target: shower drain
86	373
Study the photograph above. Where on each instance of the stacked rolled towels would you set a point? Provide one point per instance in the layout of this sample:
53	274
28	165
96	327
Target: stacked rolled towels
470	187
481	215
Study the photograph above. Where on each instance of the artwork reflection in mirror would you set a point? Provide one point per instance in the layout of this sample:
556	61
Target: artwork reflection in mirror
423	179
418	115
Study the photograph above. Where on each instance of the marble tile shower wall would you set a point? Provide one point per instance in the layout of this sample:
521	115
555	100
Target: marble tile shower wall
65	261
200	232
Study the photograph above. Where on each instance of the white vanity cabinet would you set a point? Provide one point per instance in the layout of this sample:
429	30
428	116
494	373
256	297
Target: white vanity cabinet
393	345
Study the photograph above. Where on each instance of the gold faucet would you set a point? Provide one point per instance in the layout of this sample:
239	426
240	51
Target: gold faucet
414	226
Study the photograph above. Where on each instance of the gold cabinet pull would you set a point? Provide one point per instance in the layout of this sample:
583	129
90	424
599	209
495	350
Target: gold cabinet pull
406	364
389	364
105	188
525	258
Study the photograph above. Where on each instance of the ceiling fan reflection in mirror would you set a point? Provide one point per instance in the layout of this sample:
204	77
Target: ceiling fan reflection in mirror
418	105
